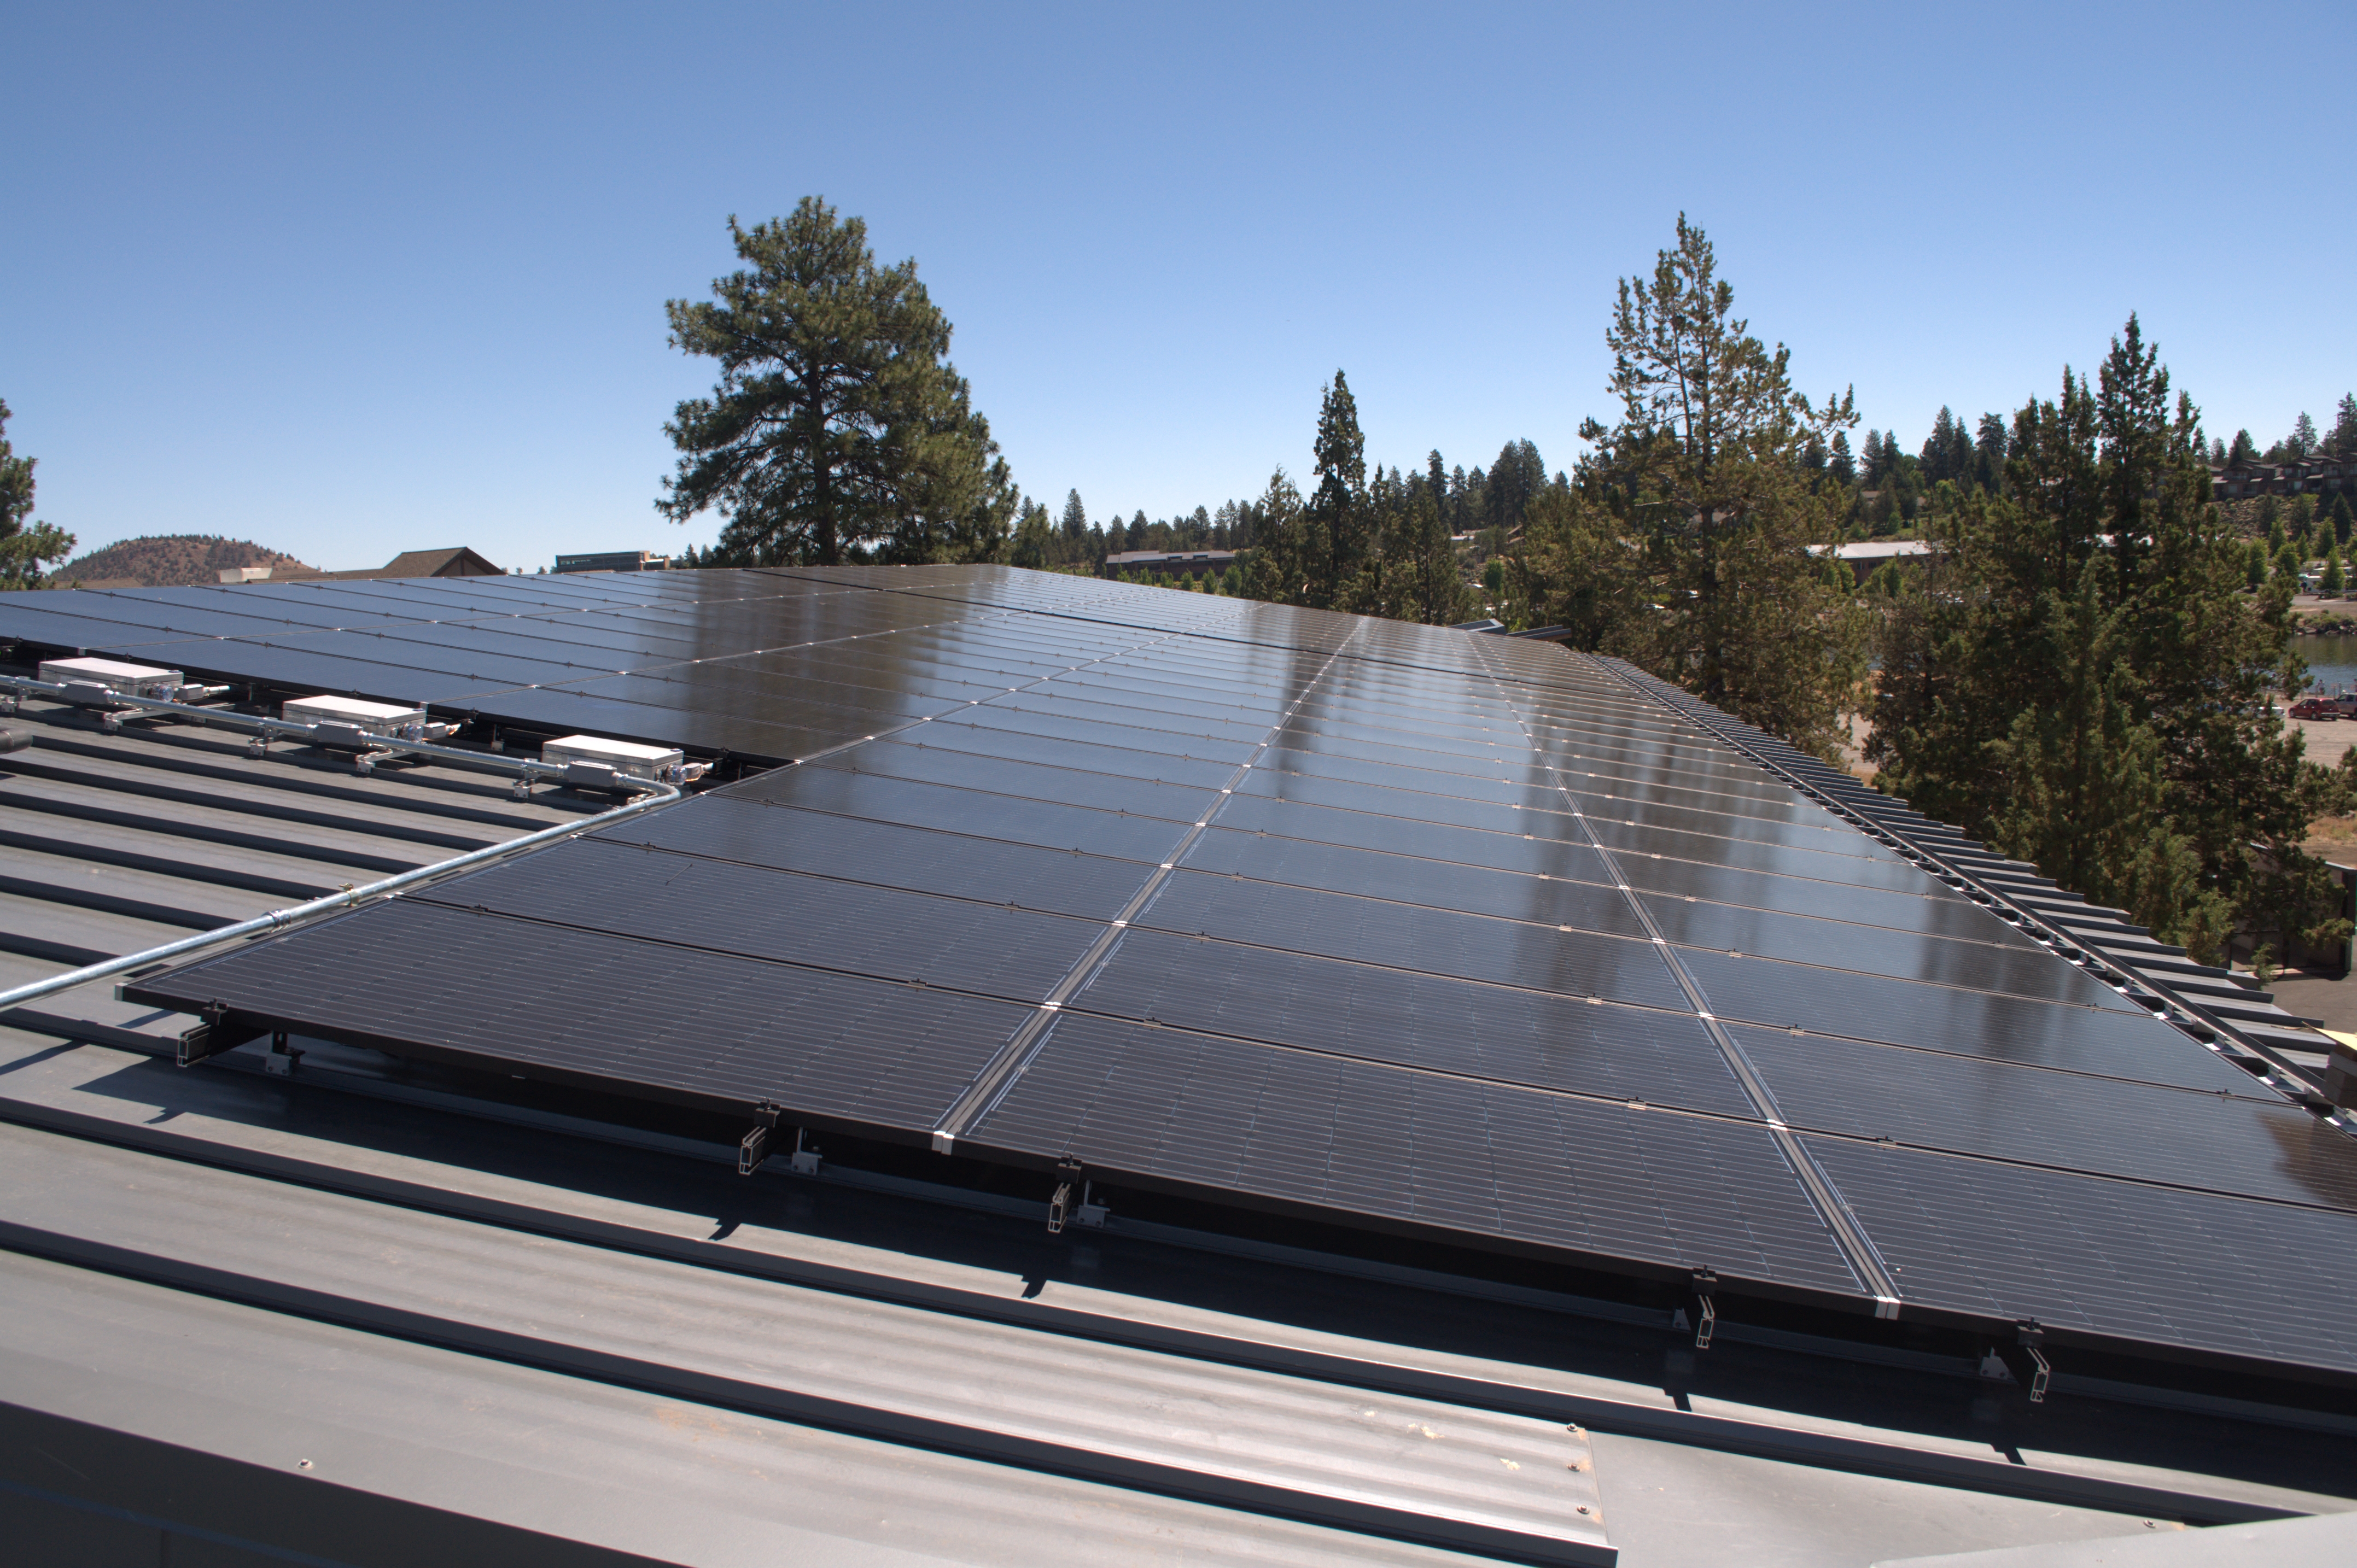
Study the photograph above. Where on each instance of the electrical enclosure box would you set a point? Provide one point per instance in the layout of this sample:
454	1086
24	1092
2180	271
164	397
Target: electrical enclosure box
130	680
370	718
626	757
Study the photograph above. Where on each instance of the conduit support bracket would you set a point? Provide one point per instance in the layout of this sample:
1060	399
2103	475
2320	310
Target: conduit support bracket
1705	1280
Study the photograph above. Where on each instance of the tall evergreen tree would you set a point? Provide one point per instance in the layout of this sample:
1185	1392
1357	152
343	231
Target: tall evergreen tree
1338	524
2088	683
838	425
25	545
2244	451
2342	441
1518	475
1033	536
1842	464
2301	442
1277	571
1703	467
1075	523
1988	452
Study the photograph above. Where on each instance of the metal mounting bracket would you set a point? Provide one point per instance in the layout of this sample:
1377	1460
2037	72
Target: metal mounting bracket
283	1058
2032	1337
213	1036
1704	1281
1060	1205
754	1147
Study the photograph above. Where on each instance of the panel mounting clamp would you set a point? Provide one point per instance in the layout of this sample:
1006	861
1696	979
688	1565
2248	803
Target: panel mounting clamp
1068	1172
1705	1280
2032	1337
754	1147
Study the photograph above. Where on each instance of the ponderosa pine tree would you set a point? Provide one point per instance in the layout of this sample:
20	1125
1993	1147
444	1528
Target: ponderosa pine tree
1338	532
1276	571
838	425
2086	680
25	545
1703	471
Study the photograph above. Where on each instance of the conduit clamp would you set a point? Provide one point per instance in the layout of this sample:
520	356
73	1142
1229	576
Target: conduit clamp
2032	1337
1705	1280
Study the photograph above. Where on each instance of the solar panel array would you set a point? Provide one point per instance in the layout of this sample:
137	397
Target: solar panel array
1467	936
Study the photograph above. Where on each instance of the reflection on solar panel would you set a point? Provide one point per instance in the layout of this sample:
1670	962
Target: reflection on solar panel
1460	936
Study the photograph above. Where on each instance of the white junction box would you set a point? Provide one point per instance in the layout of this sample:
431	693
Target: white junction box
369	718
626	757
129	679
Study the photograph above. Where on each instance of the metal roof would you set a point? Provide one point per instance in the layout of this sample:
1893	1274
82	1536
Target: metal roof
501	1318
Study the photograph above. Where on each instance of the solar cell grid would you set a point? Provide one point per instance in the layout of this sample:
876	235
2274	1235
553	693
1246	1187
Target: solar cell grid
954	733
1999	1110
1968	1023
2019	971
1527	1168
1031	781
2182	1268
1427	1021
1588	902
1025	721
784	917
890	855
1357	994
1576	962
605	1012
914	804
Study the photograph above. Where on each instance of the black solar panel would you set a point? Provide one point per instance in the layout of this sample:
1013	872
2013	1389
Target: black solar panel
1293	910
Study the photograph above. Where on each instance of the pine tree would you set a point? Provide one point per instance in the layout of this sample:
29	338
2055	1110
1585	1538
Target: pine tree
1075	524
1702	472
2097	617
2301	442
2342	442
2340	518
2333	582
1842	465
1338	524
1988	452
837	423
25	545
1274	572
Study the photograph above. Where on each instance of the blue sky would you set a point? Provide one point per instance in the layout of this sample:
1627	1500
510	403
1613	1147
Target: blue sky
346	281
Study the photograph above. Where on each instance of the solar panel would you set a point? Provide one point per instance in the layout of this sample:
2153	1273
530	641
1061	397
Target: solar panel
1431	932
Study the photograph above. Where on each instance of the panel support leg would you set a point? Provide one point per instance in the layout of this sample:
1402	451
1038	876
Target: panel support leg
1068	1170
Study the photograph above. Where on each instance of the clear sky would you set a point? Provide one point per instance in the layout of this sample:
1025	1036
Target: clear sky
350	280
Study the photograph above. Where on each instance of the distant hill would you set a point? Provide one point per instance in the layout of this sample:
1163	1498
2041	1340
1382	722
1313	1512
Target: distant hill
172	561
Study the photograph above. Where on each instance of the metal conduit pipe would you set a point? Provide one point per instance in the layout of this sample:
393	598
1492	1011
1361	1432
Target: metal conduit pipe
279	919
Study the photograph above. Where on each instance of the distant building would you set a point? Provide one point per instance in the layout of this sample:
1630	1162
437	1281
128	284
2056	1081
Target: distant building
460	562
1868	555
2322	475
1194	563
615	561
